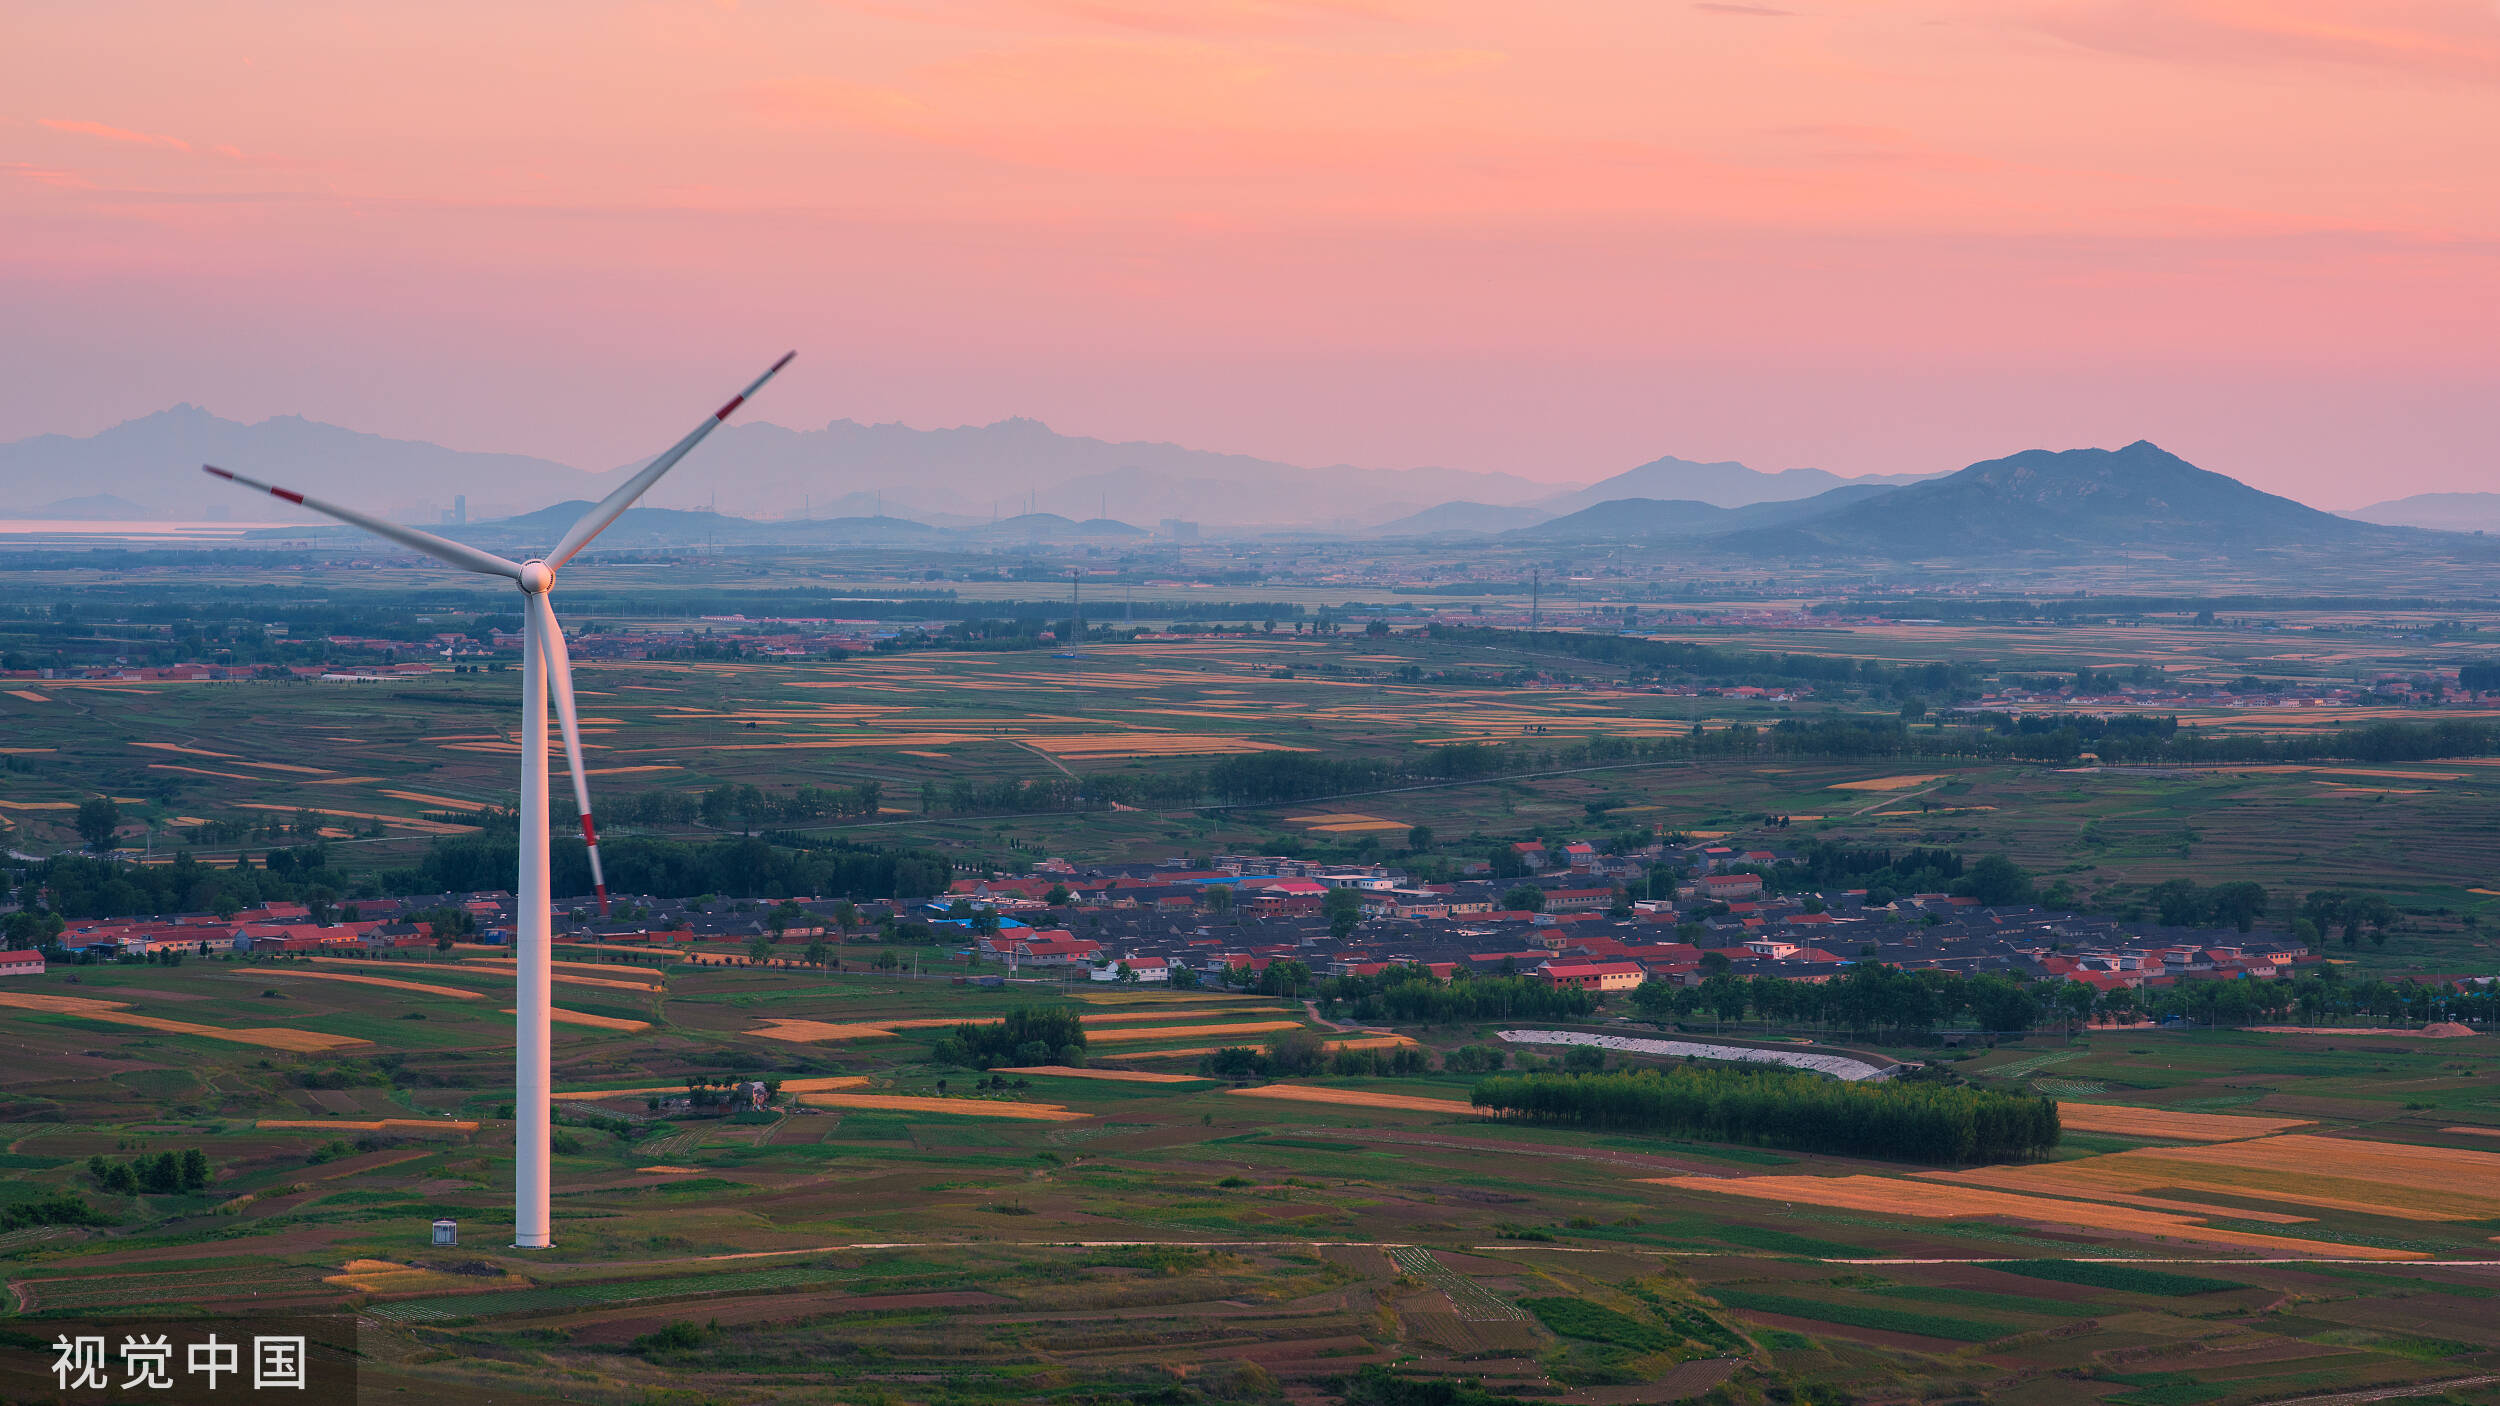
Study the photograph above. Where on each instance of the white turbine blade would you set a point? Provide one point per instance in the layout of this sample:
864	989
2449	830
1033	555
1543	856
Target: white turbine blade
559	666
441	549
597	519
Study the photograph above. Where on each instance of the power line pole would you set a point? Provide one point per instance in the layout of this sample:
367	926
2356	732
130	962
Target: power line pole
1536	601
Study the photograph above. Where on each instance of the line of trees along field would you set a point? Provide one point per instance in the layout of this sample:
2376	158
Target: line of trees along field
78	887
1913	1122
1413	994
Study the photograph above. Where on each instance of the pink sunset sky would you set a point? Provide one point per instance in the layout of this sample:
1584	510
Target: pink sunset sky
1553	239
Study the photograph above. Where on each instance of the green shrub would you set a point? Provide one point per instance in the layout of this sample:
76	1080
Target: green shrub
63	1209
1578	1318
1029	1035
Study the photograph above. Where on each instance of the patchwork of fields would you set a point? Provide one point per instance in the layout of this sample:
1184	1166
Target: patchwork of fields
2264	1216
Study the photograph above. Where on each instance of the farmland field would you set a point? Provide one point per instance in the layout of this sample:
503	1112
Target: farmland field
380	768
2232	1217
895	1233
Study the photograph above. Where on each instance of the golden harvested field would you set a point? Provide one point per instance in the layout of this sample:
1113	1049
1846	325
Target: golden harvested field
2478	1132
1182	1032
1357	1098
962	1107
506	966
1889	1196
2396	1180
117	1013
2162	1122
1885	783
812	1031
392	1277
1110	1017
1124	1076
392	982
376	1125
561	1016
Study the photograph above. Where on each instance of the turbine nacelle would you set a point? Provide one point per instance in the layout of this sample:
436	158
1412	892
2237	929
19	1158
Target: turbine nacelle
536	577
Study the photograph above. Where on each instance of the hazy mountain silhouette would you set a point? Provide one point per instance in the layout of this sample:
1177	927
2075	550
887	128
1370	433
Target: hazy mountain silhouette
92	507
751	469
154	462
1638	518
1724	484
1020	465
2443	512
2075	500
1472	519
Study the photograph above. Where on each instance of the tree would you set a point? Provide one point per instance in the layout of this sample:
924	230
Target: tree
1059	897
1284	977
98	818
818	951
760	947
1654	1000
846	917
1994	881
785	915
1419	839
31	928
1344	910
1523	898
1217	897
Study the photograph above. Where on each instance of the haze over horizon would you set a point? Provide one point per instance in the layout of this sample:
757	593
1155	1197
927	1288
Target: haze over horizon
1895	238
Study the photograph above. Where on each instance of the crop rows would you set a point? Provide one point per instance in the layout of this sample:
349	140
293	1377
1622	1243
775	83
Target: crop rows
563	1296
1469	1299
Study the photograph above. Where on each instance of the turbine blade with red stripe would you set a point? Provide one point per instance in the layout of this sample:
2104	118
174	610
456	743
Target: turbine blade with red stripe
597	519
559	664
441	549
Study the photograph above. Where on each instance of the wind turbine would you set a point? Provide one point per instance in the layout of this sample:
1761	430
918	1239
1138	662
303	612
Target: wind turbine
544	667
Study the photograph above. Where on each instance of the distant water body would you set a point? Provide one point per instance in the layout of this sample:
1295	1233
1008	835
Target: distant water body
19	532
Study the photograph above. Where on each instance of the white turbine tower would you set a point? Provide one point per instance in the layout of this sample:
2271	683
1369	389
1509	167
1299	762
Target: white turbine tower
544	665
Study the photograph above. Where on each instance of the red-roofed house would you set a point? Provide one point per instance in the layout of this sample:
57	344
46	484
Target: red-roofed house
1593	976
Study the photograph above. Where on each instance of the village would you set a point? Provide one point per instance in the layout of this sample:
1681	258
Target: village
1570	917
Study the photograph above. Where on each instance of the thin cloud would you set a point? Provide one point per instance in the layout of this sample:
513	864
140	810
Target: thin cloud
114	134
2452	39
1729	7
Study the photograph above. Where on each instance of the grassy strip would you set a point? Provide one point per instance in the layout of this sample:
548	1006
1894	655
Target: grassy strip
565	1296
1889	1320
2126	1278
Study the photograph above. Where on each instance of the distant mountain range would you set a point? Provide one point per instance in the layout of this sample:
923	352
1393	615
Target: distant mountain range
2445	512
679	527
850	482
1725	484
1654	517
153	463
967	477
2072	500
2075	502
